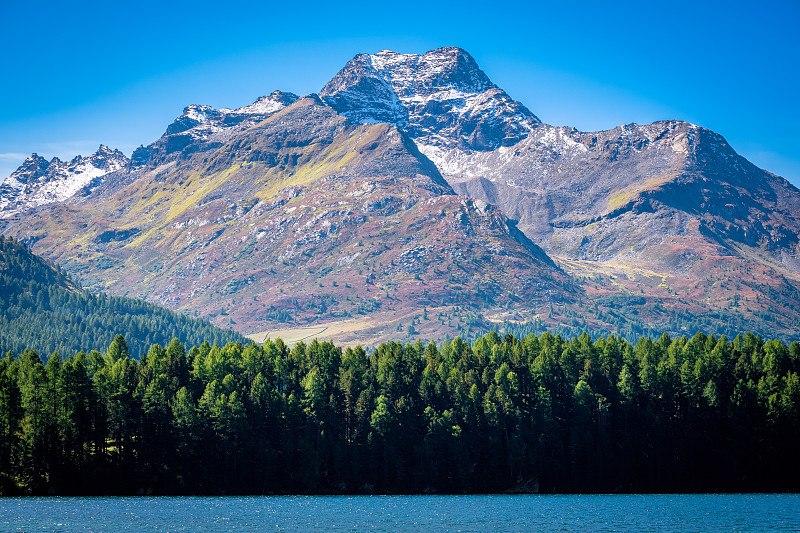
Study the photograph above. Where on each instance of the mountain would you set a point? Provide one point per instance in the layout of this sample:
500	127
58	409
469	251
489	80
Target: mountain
202	128
555	180
414	194
37	182
43	309
667	210
298	216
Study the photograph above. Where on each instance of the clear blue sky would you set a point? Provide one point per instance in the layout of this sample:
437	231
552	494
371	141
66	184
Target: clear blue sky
75	75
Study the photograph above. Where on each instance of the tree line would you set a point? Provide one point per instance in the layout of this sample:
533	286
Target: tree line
540	413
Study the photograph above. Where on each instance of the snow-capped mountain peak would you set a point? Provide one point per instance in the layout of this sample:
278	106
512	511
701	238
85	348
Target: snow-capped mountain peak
441	98
210	120
441	70
30	169
38	181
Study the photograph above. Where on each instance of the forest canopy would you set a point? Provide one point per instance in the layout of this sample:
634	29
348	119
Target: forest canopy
540	413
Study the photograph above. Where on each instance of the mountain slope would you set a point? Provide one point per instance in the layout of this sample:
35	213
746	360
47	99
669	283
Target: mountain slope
559	179
670	207
667	211
42	309
301	217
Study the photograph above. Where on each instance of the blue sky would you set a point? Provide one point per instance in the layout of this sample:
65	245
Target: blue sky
75	75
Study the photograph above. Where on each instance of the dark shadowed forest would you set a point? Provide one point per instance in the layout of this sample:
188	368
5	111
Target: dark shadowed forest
539	413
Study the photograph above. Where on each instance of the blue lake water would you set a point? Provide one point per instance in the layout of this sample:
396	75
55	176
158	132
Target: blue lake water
696	512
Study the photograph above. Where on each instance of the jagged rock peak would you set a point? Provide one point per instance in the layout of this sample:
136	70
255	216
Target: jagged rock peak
197	114
269	104
38	182
437	70
35	166
192	116
440	98
105	158
30	169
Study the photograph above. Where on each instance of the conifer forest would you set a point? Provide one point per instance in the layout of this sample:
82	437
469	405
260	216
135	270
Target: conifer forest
536	414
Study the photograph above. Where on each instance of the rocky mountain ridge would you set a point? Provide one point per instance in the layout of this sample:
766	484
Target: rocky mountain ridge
559	182
552	180
38	181
203	127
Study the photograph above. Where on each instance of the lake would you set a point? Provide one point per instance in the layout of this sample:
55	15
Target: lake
695	512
